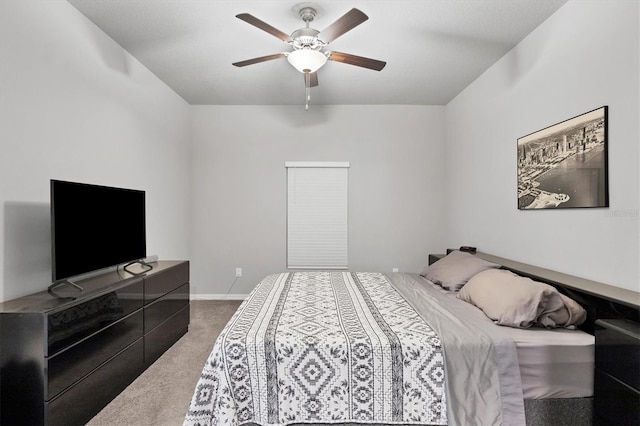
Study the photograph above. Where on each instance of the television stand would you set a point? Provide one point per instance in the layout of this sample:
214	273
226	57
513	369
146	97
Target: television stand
146	267
62	282
66	356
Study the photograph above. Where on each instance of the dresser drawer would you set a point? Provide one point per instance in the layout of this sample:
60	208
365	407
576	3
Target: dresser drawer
85	399
161	338
161	309
618	350
162	282
68	366
615	403
73	324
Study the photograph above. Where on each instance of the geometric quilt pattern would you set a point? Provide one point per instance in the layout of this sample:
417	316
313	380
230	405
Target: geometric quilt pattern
311	347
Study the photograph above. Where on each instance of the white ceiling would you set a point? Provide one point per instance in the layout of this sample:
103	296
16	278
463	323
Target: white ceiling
433	48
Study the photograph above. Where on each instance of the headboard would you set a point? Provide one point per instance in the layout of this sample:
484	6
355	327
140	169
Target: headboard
601	301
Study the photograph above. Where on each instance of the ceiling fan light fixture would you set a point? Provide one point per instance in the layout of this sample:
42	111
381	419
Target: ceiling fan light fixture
307	60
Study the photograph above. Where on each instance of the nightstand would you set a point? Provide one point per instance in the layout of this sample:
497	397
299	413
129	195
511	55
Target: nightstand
617	372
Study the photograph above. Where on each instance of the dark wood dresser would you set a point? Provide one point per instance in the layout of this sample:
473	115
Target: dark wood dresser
65	355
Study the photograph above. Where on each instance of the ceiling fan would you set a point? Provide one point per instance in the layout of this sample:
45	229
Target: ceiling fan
307	55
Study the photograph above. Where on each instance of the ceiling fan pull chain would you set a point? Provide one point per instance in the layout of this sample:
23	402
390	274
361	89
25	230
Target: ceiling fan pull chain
307	87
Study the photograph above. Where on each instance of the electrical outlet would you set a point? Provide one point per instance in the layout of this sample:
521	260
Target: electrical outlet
395	270
238	272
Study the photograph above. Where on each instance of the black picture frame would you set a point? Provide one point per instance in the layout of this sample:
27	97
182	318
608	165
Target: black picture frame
565	165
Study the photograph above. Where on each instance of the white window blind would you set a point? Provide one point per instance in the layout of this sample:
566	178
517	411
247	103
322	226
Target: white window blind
317	213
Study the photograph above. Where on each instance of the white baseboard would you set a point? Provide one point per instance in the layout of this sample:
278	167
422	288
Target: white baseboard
217	296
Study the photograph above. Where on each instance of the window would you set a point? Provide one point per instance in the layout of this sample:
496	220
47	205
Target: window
317	207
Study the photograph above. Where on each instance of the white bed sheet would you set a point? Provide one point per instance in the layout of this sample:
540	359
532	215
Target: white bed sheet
555	363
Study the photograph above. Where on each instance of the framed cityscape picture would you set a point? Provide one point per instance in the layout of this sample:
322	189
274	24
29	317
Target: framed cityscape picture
565	165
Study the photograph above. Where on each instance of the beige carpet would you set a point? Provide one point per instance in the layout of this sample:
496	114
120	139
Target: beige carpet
161	395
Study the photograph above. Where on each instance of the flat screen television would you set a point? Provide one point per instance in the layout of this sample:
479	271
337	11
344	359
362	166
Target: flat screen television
94	227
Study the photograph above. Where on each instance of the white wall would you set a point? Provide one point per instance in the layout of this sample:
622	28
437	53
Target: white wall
75	106
239	186
584	56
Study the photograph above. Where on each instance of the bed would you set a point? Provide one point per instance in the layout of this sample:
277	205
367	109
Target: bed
319	347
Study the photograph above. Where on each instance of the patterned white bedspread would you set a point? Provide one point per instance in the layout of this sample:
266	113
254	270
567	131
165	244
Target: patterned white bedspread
310	347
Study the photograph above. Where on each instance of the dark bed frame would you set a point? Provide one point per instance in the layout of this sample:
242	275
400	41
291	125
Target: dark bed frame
601	301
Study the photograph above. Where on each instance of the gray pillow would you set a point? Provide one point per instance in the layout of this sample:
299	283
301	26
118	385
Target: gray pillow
455	269
515	301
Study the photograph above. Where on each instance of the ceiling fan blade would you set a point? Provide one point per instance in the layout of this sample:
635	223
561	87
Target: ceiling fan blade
358	61
250	19
347	22
311	79
260	59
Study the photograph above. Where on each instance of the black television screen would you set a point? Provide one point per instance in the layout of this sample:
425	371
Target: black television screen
94	227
